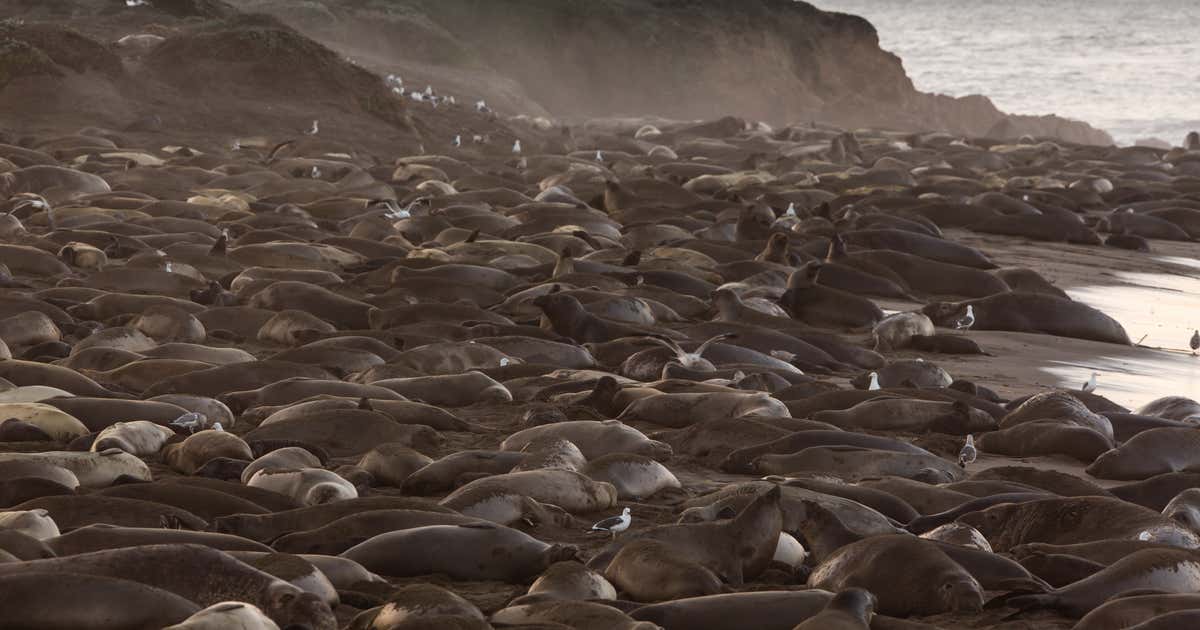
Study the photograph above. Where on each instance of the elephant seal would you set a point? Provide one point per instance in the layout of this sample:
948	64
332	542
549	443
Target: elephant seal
742	460
566	489
306	486
36	523
103	536
853	463
1075	520
476	551
1163	570
1172	408
897	331
197	573
447	473
339	535
886	414
348	433
825	307
1129	612
651	570
569	318
391	464
634	476
59	425
1185	508
1033	313
568	579
680	410
850	609
449	390
934	583
1150	453
92	470
945	344
268	527
138	437
567	614
594	438
414	604
1045	437
286	458
233	615
770	610
192	453
54	599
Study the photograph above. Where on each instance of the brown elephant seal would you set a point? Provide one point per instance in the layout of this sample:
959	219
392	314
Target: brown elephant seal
569	318
292	390
53	599
197	573
457	469
959	534
850	609
1129	612
1053	481
566	489
52	421
449	390
554	453
339	535
734	550
634	476
73	511
853	463
1032	313
570	580
1058	407
391	464
103	536
267	527
933	582
683	409
1162	570
1185	508
742	460
556	615
29	329
138	437
207	503
349	432
955	418
230	614
306	486
415	603
770	610
22	546
1172	408
36	523
192	453
1150	453
14	430
477	551
166	323
945	344
651	571
897	331
594	438
286	458
1156	492
1075	520
1044	437
92	470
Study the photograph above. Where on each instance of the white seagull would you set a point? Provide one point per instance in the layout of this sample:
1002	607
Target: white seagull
874	381
1090	385
599	156
967	320
312	131
968	453
192	421
458	141
791	210
614	524
517	146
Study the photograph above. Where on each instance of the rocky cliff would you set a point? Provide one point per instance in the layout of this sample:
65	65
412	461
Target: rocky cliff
779	61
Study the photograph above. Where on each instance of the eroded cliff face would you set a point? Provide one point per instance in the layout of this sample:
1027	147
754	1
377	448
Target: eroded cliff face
774	60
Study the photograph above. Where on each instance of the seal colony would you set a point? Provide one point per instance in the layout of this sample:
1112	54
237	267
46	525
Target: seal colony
618	375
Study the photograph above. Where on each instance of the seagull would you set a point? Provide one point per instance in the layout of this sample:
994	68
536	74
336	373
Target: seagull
190	421
481	106
316	172
428	90
1090	385
614	524
136	3
516	147
967	320
1144	536
237	145
791	210
458	141
1195	342
217	427
968	453
874	381
504	362
599	156
312	131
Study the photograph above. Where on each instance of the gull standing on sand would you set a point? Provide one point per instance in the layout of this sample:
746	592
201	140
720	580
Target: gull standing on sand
312	131
967	320
517	146
1195	342
614	524
1090	385
968	454
874	381
458	141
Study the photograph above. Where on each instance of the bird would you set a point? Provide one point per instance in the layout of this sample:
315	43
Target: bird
967	320
599	156
1090	385
136	3
791	210
1195	342
874	381
516	146
458	141
968	453
614	524
315	172
481	106
504	362
314	129
191	421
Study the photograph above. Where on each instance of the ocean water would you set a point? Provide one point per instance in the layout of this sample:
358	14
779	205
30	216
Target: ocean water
1129	67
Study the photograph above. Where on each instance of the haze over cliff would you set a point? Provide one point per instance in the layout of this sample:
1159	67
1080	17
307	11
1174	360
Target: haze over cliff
778	61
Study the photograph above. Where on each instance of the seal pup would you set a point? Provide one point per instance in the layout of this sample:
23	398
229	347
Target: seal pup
138	437
307	486
227	615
